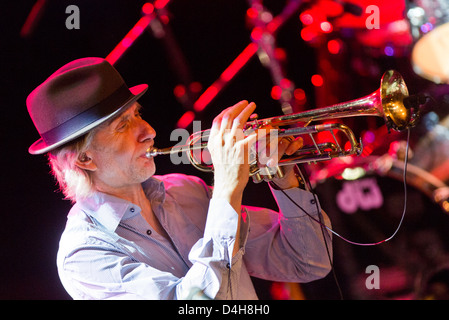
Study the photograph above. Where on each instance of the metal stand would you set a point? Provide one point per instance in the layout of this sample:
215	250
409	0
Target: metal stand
262	43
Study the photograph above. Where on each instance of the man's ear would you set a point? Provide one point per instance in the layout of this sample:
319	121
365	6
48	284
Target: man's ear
85	162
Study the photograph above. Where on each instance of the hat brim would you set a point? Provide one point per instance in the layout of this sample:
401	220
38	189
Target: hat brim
40	147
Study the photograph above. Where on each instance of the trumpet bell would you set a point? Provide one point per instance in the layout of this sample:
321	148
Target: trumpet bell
392	92
386	102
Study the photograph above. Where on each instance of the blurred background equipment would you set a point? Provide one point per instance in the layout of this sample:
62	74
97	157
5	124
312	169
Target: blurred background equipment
429	22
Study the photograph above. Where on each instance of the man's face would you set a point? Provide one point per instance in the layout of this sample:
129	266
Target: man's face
118	151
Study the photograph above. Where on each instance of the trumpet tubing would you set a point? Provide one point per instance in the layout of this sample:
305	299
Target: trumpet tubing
387	102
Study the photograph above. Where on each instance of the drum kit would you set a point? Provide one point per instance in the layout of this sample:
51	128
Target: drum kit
367	194
364	196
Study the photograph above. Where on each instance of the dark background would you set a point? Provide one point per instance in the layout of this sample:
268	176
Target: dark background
210	35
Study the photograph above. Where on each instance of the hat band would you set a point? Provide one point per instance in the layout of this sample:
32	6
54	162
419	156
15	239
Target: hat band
94	113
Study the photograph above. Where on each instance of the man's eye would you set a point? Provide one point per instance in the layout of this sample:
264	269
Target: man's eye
122	125
138	114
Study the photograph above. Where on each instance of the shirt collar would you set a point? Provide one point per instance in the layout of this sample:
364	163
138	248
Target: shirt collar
154	189
109	210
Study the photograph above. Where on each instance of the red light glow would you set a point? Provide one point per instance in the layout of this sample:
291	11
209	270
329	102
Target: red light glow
128	40
324	136
280	54
306	18
225	77
206	97
285	83
195	87
334	46
251	13
186	119
33	17
147	8
179	91
348	145
308	33
300	94
257	34
326	27
160	4
317	80
239	62
276	92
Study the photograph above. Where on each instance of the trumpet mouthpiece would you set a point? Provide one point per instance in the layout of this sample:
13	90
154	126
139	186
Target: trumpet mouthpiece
151	152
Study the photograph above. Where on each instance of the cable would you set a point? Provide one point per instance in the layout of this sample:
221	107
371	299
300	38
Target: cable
319	221
308	186
360	243
337	283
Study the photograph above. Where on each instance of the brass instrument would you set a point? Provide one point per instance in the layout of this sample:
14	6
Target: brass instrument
386	102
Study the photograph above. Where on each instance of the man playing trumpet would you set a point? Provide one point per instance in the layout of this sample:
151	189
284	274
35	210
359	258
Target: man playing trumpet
134	235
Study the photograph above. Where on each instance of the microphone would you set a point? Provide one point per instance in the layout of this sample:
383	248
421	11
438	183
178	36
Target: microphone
416	100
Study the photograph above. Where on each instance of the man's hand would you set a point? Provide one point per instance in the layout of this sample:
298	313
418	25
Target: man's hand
272	149
229	150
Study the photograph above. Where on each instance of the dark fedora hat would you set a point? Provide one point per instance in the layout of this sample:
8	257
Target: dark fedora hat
76	98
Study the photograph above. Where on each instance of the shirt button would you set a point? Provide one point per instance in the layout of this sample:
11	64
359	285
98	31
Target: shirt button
132	209
312	201
149	232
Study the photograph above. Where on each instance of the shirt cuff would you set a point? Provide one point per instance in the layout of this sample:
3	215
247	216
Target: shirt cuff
222	222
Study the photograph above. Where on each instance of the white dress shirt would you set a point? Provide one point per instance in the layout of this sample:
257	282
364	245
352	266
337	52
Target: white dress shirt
109	251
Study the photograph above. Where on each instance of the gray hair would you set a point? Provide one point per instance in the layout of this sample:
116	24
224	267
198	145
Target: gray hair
73	181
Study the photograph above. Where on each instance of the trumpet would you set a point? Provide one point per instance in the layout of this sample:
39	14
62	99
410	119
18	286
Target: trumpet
386	102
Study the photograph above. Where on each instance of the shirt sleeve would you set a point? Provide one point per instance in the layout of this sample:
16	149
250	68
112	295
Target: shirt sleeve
98	268
212	255
100	272
292	245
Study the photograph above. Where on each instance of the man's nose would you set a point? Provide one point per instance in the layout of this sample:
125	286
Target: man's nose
147	132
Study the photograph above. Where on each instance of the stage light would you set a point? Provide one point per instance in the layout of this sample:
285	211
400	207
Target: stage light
389	51
285	83
426	27
317	80
306	18
276	92
160	4
308	33
206	97
195	87
225	77
326	27
186	119
128	40
179	91
334	46
252	13
300	95
147	8
256	34
280	54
